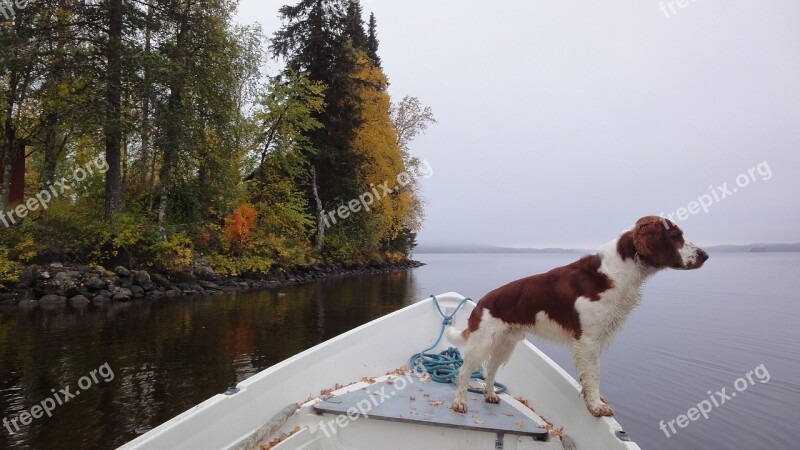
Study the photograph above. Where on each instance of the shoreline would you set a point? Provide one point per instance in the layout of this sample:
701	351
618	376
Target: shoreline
57	285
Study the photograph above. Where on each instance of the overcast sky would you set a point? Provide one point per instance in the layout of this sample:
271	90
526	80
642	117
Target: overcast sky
562	122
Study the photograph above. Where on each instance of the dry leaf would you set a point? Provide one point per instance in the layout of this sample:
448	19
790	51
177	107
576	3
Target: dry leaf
480	421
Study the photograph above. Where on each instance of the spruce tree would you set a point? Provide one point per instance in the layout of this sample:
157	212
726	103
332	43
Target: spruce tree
354	25
315	43
371	46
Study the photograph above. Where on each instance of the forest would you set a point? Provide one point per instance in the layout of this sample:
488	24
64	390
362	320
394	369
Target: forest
167	129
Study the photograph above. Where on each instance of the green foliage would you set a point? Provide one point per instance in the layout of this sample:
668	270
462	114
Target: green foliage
218	164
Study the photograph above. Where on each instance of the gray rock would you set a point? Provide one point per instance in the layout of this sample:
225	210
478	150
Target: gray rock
28	304
205	273
183	277
172	293
101	300
209	285
160	280
120	293
94	283
78	301
58	286
137	291
67	275
52	300
153	295
104	293
56	265
141	277
122	272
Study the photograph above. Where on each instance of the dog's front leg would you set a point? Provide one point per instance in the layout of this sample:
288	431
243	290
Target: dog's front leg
586	354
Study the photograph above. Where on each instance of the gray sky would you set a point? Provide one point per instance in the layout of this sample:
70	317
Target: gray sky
561	123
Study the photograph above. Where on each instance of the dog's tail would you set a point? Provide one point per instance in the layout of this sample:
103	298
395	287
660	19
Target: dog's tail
457	337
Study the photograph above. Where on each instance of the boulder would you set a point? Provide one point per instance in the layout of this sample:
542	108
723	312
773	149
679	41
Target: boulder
52	301
137	291
28	304
205	273
122	271
78	301
120	294
101	300
142	278
94	283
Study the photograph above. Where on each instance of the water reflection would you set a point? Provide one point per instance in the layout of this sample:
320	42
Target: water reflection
166	356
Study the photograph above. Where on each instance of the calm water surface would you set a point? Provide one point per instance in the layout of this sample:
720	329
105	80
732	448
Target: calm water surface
694	332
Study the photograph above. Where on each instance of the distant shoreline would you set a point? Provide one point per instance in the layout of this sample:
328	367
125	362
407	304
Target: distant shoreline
472	249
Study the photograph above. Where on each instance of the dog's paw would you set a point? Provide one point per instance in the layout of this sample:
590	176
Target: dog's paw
492	398
459	407
600	409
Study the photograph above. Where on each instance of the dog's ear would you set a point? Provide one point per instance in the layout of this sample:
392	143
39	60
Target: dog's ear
649	235
625	246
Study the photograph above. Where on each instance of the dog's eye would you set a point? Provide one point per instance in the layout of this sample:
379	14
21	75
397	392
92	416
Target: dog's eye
677	237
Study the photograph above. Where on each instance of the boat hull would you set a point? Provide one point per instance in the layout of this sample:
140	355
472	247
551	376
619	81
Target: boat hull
373	349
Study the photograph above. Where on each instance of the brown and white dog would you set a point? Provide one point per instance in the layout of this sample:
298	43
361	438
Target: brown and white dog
582	304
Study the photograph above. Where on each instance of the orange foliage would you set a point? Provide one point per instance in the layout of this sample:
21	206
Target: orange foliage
239	225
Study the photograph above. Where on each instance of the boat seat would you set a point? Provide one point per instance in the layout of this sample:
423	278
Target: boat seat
428	403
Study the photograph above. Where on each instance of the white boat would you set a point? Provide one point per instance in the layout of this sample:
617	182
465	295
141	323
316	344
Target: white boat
293	405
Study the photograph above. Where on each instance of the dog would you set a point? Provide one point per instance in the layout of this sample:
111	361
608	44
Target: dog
582	304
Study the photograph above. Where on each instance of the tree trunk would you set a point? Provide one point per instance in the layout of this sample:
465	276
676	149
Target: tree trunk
8	157
146	102
321	223
50	148
113	132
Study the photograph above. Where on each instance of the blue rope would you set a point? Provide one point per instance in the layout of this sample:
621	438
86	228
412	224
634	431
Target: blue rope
443	367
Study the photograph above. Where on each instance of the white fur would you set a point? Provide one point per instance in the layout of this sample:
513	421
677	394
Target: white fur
689	254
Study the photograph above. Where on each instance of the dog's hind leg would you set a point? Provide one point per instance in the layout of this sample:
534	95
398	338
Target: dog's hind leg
472	360
502	348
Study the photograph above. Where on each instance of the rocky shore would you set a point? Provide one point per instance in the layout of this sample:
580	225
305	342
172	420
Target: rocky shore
59	284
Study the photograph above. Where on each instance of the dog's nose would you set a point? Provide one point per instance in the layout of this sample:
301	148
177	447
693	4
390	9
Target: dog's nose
702	255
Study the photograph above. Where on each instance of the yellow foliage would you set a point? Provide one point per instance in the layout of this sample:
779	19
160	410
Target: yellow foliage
8	270
376	142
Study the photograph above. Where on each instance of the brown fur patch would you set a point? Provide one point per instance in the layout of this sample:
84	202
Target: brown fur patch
554	292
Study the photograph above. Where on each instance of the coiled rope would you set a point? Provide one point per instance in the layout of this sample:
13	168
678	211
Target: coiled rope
443	367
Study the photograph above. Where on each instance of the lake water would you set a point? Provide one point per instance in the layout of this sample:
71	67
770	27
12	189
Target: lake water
694	332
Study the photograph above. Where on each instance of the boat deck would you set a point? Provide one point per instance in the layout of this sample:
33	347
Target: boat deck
404	399
428	403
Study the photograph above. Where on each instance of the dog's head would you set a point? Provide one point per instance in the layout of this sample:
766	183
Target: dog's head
659	243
